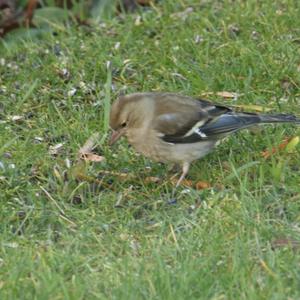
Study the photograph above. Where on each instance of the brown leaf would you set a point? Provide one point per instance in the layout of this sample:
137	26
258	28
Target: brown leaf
268	153
250	107
92	157
85	152
90	144
202	185
224	94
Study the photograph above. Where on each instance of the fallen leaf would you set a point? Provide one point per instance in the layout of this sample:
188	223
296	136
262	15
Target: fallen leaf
90	144
202	185
250	107
268	153
92	157
224	94
85	152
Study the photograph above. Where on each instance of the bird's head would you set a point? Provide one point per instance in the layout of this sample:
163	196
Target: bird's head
126	112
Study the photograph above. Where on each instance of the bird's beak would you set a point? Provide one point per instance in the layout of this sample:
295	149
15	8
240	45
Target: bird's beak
116	134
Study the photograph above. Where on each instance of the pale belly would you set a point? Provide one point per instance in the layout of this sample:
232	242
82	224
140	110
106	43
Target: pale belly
191	152
161	151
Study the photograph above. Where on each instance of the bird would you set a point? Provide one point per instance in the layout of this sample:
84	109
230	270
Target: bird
174	128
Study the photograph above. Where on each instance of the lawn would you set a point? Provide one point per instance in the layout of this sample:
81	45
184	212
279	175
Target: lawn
62	236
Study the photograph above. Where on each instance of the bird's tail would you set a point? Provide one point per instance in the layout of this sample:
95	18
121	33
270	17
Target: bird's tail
279	118
232	122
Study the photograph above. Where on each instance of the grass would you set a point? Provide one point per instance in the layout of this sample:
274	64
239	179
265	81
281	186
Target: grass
64	239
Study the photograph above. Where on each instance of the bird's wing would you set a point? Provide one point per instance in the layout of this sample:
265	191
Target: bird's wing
181	121
216	128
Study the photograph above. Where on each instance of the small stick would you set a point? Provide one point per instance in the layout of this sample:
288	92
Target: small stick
62	213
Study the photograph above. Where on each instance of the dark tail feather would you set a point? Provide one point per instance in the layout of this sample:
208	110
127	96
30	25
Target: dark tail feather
279	118
231	122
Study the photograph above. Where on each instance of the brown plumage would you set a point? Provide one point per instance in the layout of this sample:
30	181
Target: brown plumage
168	127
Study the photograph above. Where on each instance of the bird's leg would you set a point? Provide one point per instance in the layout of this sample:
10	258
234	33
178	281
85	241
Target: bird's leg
185	169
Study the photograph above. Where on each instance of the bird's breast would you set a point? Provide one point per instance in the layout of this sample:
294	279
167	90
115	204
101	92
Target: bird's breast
149	144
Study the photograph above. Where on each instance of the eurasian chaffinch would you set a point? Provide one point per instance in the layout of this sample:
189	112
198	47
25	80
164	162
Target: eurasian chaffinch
168	127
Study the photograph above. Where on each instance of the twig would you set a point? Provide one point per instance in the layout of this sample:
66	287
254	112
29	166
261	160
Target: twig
62	213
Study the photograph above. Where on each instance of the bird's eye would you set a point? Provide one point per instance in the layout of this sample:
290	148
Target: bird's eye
123	124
